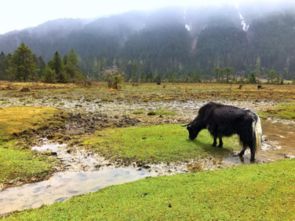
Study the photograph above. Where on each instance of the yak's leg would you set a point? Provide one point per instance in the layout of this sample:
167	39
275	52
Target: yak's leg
220	141
214	142
252	158
213	132
241	154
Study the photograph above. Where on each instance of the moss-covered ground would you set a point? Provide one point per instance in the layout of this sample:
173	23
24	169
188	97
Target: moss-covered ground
156	143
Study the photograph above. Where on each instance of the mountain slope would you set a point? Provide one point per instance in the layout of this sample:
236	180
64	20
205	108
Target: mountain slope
171	42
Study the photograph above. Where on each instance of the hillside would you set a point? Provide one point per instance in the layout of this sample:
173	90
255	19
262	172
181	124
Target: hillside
171	43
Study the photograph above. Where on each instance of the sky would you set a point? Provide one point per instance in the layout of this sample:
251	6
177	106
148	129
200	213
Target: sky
20	14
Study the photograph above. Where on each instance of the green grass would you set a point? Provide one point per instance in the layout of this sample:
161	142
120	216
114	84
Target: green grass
283	110
22	165
251	192
160	143
18	163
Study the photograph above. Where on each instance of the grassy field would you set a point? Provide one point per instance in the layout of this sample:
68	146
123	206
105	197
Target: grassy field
251	192
151	92
282	110
17	163
247	192
159	143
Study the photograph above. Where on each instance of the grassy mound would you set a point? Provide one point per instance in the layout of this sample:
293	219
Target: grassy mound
16	162
160	143
14	120
252	192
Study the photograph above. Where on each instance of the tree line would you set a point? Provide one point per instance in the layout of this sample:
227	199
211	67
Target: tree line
24	65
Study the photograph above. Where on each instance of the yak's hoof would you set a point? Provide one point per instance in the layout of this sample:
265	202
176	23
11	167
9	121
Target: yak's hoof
236	154
252	160
220	146
242	158
214	145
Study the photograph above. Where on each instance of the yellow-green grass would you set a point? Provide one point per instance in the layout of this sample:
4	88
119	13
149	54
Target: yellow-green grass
6	85
282	110
158	112
248	192
157	143
162	112
151	92
17	162
14	120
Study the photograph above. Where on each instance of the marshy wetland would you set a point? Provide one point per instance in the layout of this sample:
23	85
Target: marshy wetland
58	141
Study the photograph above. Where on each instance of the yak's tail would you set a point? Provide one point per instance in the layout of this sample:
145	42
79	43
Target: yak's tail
257	132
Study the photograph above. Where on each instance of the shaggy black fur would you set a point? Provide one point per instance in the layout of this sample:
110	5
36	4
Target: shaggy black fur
224	120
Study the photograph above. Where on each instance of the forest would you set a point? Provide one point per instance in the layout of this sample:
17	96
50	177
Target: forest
24	65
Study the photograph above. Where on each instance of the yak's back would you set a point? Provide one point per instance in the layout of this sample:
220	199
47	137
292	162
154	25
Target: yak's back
224	113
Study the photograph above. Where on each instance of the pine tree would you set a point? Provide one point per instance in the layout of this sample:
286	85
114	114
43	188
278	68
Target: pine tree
71	64
2	66
49	75
9	68
56	65
23	64
41	65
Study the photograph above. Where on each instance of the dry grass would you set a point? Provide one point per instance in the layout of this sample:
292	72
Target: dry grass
151	92
6	85
15	120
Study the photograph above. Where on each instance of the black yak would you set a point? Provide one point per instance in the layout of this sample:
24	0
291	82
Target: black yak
224	120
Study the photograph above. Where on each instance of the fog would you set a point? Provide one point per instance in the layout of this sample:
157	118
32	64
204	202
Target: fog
17	14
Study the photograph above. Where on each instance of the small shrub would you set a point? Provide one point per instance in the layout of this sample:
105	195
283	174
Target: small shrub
114	78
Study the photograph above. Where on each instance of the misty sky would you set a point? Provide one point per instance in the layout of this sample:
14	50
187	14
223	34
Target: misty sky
20	14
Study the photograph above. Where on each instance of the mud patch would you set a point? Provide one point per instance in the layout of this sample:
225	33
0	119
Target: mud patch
67	126
72	159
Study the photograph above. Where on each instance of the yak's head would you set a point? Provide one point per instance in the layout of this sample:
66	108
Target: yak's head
194	128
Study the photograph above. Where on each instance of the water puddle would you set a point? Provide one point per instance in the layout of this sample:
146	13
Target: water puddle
279	142
73	159
64	185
